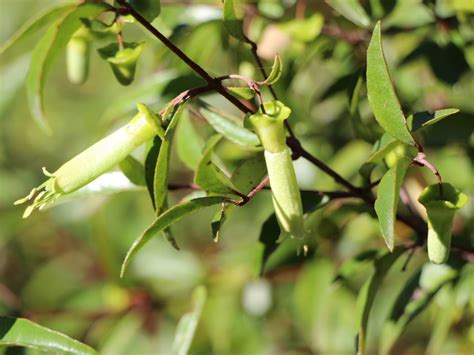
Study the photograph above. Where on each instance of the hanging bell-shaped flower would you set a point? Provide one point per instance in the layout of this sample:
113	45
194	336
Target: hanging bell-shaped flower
441	205
122	60
78	56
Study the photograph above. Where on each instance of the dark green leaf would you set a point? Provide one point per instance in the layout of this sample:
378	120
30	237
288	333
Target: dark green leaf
382	97
47	50
35	24
423	119
367	294
229	128
165	220
188	323
160	178
208	175
387	199
133	170
233	23
150	165
23	332
351	10
149	9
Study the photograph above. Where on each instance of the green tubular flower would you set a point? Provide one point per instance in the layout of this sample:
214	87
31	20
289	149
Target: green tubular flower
440	210
270	129
78	56
95	160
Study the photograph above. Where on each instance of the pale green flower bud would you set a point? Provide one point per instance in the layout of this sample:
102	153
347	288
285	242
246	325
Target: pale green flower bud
270	129
95	160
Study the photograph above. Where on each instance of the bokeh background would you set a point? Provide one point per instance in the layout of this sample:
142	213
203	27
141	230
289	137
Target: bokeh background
60	267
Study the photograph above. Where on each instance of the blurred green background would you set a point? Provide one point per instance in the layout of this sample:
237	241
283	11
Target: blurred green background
60	268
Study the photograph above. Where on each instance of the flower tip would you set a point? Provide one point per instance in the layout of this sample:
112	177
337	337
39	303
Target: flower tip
28	211
46	172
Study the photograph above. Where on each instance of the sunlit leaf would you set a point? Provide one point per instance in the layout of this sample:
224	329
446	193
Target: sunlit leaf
47	50
23	332
233	23
229	128
424	119
244	93
31	27
367	294
351	10
188	323
165	220
381	93
387	199
189	144
276	71
380	150
208	175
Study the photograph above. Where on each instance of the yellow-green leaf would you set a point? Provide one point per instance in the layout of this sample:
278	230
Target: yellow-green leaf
47	50
23	332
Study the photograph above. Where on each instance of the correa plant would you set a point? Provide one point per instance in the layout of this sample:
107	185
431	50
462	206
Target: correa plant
239	124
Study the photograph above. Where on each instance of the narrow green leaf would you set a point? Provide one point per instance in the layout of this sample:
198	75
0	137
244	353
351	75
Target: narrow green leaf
276	71
367	294
189	144
149	9
208	175
424	119
188	323
23	332
381	93
406	308
228	128
387	199
165	220
35	24
47	50
217	222
351	10
233	23
244	93
160	178
133	170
